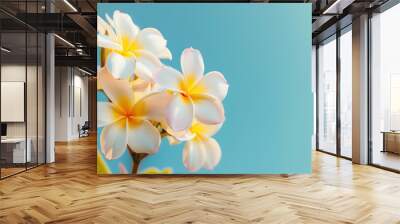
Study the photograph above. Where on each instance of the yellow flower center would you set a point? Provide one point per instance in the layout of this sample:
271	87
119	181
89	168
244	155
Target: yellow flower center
198	129
187	83
130	47
122	111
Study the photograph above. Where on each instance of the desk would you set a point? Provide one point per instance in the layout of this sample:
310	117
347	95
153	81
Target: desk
391	141
13	150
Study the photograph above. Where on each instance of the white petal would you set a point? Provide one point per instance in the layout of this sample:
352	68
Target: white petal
118	91
146	65
113	139
213	84
165	54
184	135
124	25
106	29
139	85
143	137
208	109
178	136
153	41
172	140
110	21
193	155
106	42
107	114
153	106
192	63
101	25
212	152
179	113
120	67
168	78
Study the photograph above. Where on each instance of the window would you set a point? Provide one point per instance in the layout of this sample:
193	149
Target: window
327	96
385	89
346	92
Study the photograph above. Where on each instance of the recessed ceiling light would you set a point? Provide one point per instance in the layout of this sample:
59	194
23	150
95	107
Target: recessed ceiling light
84	71
337	7
64	40
5	50
70	5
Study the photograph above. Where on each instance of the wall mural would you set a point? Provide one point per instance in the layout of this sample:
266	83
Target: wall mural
204	88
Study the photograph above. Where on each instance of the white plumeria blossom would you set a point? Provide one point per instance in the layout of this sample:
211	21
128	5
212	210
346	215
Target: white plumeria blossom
201	151
125	121
195	95
132	50
148	99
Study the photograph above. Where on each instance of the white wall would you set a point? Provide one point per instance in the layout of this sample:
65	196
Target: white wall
70	83
12	73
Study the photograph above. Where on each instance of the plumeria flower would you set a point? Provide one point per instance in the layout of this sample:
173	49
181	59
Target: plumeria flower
125	121
201	150
195	95
130	49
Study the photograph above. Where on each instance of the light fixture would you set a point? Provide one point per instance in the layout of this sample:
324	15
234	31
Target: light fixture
337	7
64	40
84	71
5	50
70	5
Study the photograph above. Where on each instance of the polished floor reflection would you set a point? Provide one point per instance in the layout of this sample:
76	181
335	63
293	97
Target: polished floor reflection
69	191
387	159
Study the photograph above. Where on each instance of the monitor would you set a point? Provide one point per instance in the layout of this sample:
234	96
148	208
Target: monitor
3	129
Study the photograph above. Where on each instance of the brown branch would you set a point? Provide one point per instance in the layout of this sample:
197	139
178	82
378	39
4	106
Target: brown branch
137	158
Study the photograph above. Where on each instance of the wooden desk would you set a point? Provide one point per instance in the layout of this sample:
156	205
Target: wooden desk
391	141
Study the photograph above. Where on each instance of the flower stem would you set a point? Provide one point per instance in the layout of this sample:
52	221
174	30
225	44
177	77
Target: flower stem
137	158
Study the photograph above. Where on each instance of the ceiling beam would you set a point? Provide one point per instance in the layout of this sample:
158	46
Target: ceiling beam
79	61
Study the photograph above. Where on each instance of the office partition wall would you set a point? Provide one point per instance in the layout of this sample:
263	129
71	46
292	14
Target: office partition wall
22	77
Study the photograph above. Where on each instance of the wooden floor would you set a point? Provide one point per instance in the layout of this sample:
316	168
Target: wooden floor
5	172
69	191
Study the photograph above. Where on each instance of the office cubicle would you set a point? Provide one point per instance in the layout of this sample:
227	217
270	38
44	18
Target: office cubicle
22	77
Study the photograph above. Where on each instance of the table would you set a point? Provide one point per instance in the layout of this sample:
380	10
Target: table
391	141
13	150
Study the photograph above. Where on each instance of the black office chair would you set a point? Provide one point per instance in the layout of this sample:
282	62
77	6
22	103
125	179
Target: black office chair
84	130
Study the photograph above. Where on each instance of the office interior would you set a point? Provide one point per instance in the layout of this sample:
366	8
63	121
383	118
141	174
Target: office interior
48	79
33	119
48	117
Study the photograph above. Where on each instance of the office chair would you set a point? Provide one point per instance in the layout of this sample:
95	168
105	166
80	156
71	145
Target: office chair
84	130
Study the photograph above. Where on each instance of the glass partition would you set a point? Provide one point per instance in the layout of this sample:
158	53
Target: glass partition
346	93
32	98
14	155
41	97
327	95
22	101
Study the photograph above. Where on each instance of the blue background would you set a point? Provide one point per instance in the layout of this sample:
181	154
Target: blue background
264	51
